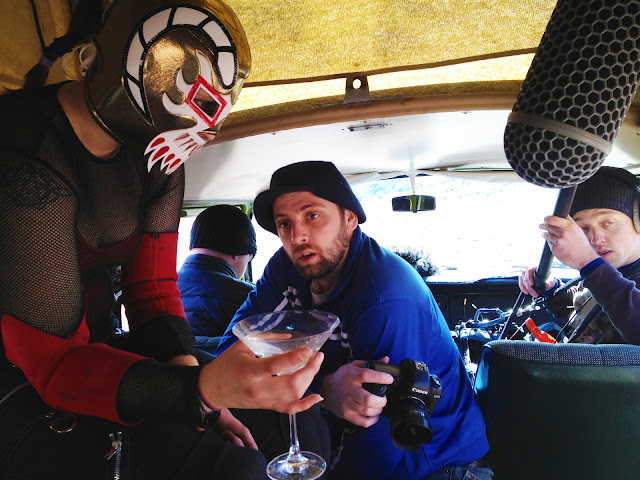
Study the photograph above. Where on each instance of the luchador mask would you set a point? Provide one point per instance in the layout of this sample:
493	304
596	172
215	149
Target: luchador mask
166	75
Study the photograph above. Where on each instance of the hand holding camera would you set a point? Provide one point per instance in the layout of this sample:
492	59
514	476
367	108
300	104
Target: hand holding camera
411	399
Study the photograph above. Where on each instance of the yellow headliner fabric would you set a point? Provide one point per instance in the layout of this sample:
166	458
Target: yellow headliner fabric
294	40
20	47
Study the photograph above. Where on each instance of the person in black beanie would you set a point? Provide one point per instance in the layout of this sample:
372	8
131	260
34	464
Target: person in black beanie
601	239
386	313
223	242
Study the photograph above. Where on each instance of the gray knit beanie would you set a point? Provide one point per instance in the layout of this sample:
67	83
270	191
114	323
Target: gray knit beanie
225	229
609	187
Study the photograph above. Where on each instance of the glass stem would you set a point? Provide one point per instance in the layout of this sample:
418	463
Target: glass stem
294	445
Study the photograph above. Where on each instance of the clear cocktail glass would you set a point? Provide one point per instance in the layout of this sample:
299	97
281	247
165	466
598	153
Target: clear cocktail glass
272	333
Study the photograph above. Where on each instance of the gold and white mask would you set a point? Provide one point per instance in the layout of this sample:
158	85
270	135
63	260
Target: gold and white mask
164	88
205	104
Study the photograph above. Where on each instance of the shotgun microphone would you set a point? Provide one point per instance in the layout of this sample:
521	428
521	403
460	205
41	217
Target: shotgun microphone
577	92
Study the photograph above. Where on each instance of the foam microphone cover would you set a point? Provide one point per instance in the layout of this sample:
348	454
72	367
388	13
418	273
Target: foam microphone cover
577	92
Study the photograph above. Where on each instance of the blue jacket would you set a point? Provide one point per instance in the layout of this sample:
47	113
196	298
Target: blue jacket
211	294
385	308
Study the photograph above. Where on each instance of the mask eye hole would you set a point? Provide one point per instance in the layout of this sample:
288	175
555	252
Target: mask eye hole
205	101
207	104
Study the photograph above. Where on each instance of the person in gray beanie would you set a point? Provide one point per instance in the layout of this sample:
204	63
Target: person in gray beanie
601	239
223	242
386	313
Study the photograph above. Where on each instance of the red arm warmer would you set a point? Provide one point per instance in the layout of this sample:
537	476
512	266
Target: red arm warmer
68	373
149	285
151	296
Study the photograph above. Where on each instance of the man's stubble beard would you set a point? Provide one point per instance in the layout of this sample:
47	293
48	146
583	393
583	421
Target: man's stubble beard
328	262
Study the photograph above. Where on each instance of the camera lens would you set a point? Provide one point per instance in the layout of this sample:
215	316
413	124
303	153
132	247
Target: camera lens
410	427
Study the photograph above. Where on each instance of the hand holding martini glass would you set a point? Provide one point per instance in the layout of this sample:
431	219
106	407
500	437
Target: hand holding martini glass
272	333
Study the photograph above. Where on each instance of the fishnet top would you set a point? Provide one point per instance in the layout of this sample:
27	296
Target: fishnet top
67	219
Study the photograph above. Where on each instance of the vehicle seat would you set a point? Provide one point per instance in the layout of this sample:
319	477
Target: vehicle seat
561	411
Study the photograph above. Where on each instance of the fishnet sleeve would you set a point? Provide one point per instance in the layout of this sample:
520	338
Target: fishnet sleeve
150	293
160	390
164	203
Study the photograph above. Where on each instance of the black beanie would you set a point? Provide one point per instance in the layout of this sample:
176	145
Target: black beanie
225	229
610	187
322	179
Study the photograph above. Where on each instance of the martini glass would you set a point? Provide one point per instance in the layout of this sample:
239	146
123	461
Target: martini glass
272	333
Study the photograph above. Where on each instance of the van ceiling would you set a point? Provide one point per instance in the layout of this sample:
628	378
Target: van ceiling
422	60
304	40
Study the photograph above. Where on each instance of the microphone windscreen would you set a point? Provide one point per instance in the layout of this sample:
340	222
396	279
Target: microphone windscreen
577	92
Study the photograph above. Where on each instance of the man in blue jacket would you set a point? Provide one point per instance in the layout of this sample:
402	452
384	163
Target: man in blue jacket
223	242
387	313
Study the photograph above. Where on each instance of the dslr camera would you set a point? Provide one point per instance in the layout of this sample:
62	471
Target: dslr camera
411	399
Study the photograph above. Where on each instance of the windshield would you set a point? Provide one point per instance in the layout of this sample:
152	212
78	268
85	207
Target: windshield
478	229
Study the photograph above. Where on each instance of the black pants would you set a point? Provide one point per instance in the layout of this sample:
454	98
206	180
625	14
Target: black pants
271	431
36	445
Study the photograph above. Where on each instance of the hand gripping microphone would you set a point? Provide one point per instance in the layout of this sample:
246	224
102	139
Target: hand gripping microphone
577	92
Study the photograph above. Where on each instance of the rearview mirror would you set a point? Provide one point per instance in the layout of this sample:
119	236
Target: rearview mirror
413	203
